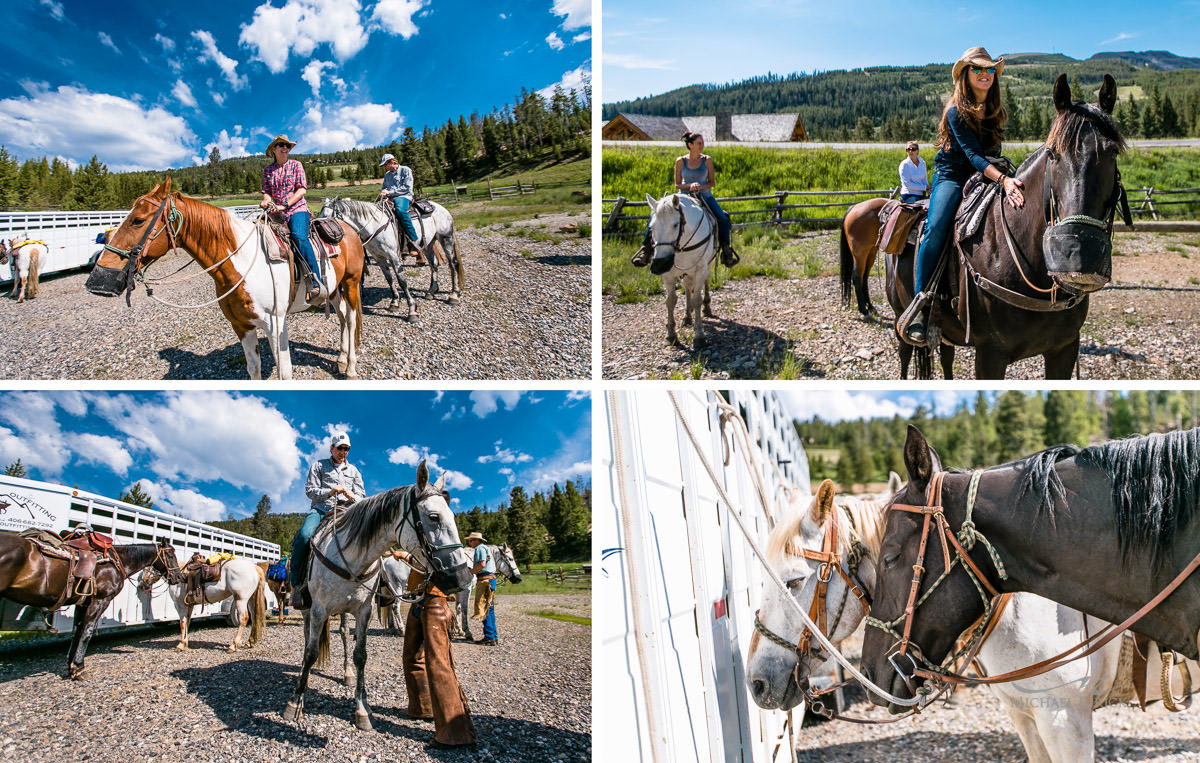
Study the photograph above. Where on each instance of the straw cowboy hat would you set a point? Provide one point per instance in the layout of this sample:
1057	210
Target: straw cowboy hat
977	56
475	536
290	144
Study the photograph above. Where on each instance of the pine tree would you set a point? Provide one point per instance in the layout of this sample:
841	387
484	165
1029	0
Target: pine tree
525	533
1169	126
92	186
136	496
8	178
1013	126
16	469
567	520
260	516
1066	418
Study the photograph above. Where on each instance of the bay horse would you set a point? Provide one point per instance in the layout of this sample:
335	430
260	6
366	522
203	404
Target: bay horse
1109	530
1023	280
24	258
685	248
28	576
255	289
1057	727
380	238
506	565
242	579
344	570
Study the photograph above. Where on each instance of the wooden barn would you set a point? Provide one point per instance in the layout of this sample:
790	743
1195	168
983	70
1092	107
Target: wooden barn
746	128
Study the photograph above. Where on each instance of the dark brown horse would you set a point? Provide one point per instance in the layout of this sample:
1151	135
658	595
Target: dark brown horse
27	576
1019	287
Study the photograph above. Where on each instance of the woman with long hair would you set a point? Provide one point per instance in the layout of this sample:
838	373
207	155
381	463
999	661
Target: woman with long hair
694	173
971	129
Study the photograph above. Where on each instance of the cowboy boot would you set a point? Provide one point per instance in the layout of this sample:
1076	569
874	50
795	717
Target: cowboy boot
642	257
915	334
729	258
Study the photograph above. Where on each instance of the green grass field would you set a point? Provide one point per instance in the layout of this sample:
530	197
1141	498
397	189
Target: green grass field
533	580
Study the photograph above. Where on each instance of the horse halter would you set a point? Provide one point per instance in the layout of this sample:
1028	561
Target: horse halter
133	255
934	513
1050	202
412	517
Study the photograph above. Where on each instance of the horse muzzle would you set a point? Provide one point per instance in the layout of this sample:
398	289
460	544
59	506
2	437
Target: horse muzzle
660	265
1078	256
106	282
450	578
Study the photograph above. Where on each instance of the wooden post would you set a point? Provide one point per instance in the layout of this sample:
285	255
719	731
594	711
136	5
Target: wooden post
611	222
777	217
1150	202
491	197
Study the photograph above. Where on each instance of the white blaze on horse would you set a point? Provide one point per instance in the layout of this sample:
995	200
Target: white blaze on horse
240	578
381	240
23	257
506	565
685	247
1051	712
254	279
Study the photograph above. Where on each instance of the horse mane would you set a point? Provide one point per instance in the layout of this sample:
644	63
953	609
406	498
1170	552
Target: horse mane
1065	131
211	226
138	554
866	519
372	515
1041	478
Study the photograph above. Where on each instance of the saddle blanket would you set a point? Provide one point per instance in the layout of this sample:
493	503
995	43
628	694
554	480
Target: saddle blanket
277	571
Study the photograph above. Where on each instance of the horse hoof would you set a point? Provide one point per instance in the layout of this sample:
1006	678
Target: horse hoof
348	680
351	375
292	713
699	343
453	299
363	721
182	647
233	647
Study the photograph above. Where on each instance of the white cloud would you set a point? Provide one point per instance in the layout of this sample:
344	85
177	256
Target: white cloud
299	27
576	80
396	16
638	61
184	93
107	41
184	502
312	75
577	395
209	435
406	455
168	45
71	401
842	405
368	124
505	456
486	402
128	135
230	146
554	41
1119	38
35	436
227	65
409	455
437	396
581	37
572	462
504	15
56	9
558	473
218	98
99	449
577	13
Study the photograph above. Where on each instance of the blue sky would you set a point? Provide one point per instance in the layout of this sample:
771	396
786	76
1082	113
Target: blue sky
650	48
843	405
208	454
151	84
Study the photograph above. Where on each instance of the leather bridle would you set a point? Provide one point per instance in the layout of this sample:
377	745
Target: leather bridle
710	227
133	255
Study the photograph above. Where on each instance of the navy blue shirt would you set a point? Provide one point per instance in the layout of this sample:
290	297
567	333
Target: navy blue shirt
965	156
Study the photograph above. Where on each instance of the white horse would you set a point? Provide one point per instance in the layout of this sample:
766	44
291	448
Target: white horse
24	258
344	569
1052	712
685	247
253	278
379	237
240	578
506	565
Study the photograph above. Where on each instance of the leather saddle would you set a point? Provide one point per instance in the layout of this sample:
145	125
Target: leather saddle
82	550
419	210
200	573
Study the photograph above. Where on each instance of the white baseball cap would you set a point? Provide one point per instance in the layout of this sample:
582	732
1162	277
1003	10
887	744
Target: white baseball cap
386	158
340	438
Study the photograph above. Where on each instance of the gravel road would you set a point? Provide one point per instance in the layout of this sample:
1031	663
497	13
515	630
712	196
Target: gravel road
525	314
530	697
1141	326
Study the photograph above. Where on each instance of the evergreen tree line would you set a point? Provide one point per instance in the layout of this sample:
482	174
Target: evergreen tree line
986	433
534	127
896	104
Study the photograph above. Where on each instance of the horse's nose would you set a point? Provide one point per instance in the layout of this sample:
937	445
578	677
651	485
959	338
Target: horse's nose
758	688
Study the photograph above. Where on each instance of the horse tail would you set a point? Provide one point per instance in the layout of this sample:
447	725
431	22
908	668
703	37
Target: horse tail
847	267
258	610
458	268
323	645
32	288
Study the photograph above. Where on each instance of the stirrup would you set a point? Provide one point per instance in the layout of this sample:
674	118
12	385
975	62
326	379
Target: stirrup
729	258
641	258
909	316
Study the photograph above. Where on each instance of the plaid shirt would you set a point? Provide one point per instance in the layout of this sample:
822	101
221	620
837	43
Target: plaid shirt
281	181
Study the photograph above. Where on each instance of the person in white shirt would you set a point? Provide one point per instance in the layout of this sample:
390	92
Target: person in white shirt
914	178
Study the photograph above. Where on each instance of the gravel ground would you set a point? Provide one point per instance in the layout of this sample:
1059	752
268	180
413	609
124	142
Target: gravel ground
530	697
975	726
525	314
1142	326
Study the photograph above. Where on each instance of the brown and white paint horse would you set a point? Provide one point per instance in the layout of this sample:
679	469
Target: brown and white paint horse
23	256
255	292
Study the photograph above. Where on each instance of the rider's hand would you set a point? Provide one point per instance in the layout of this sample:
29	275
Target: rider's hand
694	187
1012	189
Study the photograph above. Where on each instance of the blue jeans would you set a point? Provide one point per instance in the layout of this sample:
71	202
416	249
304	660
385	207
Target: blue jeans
489	622
911	198
943	203
723	225
299	565
298	224
401	204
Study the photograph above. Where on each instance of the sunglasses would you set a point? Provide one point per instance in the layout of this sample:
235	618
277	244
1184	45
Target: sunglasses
343	447
982	70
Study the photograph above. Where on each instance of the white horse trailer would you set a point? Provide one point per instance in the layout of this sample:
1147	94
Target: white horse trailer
28	503
678	582
70	236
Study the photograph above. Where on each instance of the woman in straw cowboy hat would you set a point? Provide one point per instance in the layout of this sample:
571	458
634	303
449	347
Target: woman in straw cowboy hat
285	184
971	129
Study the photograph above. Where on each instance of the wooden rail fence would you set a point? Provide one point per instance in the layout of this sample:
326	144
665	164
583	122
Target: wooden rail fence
580	577
1152	203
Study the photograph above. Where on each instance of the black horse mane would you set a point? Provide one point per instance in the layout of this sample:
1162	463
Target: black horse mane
1155	483
1065	131
368	517
138	553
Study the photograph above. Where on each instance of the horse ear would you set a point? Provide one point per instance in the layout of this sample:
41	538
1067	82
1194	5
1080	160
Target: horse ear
422	476
823	503
440	485
919	459
167	186
675	201
653	202
1062	93
1108	94
894	483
